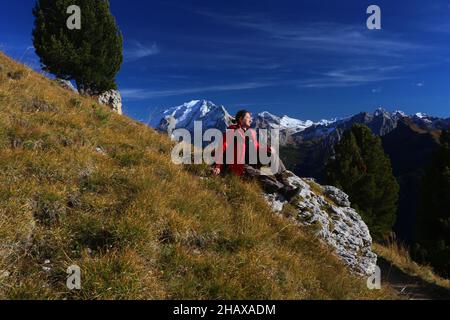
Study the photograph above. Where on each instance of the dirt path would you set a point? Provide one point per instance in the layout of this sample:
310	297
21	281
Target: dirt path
413	288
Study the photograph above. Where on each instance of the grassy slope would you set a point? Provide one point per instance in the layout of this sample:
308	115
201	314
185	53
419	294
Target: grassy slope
399	256
137	225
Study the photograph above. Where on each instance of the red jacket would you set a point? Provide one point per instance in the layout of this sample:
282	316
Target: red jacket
237	166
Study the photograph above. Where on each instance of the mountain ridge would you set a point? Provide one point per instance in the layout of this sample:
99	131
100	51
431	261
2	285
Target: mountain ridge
380	120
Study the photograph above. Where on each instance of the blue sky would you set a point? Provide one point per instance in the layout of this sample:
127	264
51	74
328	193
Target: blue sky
309	59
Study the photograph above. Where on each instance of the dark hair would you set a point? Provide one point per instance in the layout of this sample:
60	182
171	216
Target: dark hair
241	114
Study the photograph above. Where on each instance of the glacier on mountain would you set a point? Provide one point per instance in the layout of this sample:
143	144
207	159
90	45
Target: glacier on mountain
211	115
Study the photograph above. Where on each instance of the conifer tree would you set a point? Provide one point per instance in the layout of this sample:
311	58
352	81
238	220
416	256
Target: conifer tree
433	223
362	169
91	56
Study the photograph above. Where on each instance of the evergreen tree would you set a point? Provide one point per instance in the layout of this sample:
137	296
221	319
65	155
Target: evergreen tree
362	169
433	224
91	56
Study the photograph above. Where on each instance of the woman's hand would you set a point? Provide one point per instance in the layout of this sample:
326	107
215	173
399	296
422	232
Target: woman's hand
272	151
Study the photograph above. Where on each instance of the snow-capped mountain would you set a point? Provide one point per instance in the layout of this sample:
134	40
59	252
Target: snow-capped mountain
184	116
316	143
381	122
427	122
267	120
215	116
288	126
292	131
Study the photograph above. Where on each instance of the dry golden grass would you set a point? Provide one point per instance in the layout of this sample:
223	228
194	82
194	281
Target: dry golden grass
80	185
399	256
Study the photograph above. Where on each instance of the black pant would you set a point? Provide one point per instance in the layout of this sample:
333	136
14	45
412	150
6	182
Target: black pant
270	181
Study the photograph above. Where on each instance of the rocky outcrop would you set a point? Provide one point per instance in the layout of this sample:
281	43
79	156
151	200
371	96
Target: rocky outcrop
113	99
327	210
337	195
66	84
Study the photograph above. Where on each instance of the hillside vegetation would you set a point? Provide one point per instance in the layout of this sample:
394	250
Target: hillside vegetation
399	256
83	186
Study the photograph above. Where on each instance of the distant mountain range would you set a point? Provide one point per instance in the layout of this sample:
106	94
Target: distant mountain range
381	121
409	141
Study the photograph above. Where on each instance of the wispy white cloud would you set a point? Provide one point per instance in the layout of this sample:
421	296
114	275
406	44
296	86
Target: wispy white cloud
141	94
348	45
322	36
420	84
350	77
346	77
136	50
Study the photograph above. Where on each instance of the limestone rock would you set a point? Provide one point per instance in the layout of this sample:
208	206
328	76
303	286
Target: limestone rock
66	84
113	99
336	223
337	195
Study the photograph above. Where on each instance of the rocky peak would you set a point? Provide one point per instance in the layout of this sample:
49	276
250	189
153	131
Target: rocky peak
293	131
211	115
267	120
399	114
380	111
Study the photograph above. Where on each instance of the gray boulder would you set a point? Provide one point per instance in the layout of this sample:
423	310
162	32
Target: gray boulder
328	211
66	84
113	99
337	195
